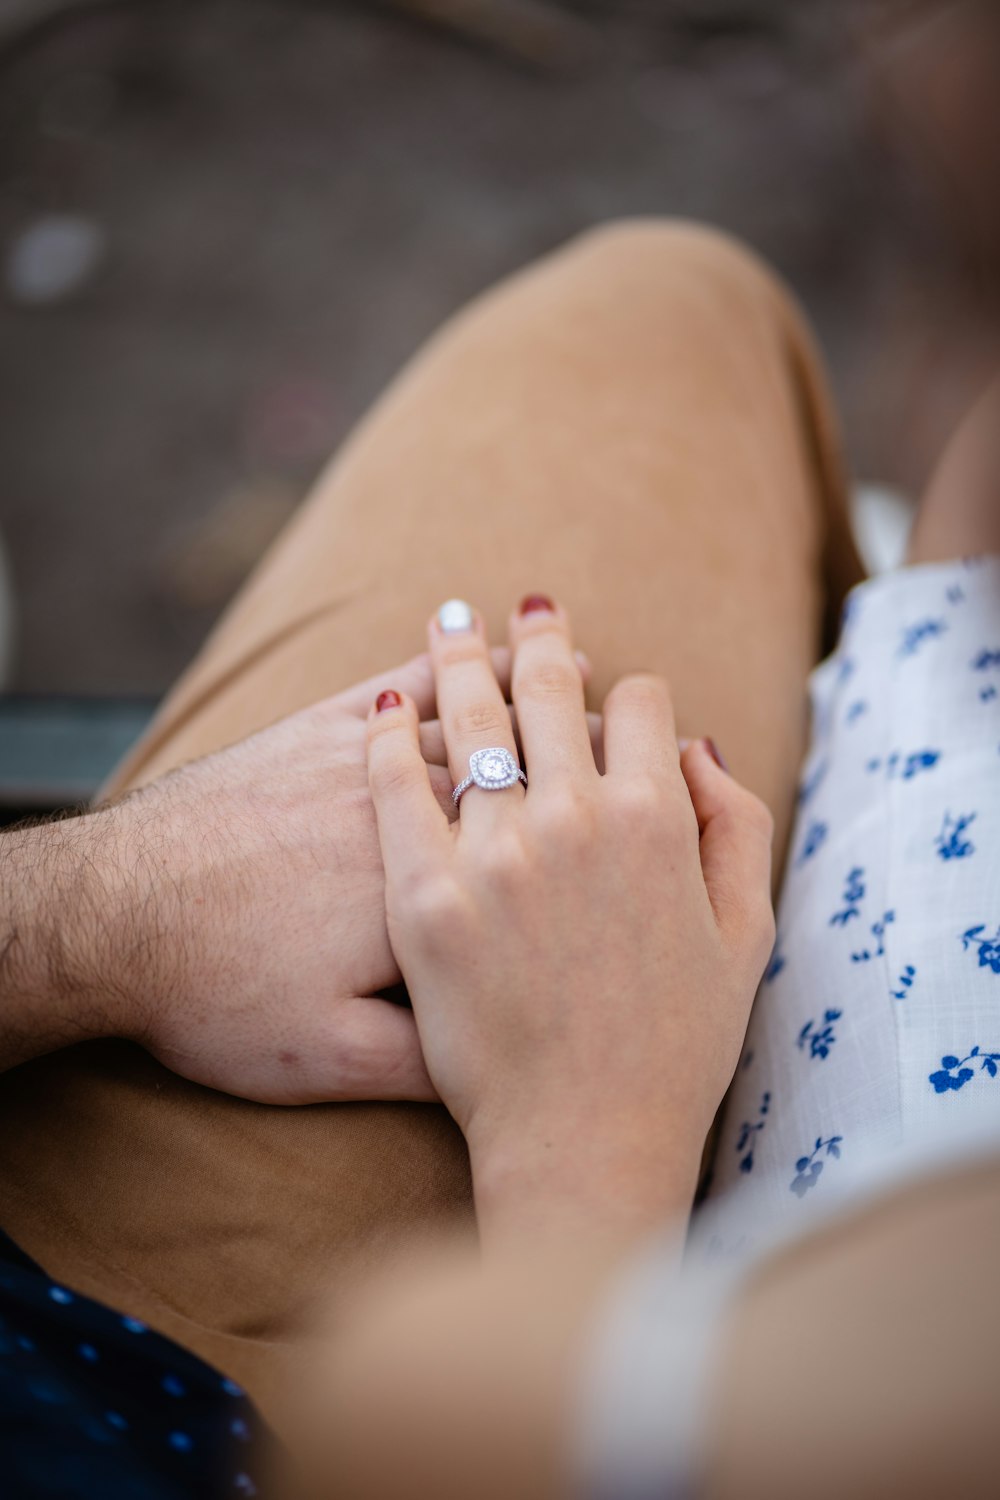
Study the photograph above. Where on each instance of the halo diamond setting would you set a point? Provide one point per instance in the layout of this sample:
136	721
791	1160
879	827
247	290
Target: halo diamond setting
492	769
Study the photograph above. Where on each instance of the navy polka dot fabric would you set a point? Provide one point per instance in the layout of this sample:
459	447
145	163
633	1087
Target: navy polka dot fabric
96	1406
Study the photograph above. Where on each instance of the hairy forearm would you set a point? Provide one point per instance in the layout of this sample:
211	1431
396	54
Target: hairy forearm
60	908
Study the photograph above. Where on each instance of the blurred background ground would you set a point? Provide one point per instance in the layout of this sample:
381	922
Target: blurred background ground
224	224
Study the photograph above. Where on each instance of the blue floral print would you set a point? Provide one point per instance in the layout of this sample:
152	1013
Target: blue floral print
810	786
815	838
955	594
865	955
808	1169
914	636
777	963
748	1133
955	1073
950	842
987	694
854	892
986	661
818	1036
905	982
989	948
905	766
855	710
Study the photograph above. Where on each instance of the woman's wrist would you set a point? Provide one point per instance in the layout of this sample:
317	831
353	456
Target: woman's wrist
550	1182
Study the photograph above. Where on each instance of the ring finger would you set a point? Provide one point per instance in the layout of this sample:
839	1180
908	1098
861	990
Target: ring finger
471	706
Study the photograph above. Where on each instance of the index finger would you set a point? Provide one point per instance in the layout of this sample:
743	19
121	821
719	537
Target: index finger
411	825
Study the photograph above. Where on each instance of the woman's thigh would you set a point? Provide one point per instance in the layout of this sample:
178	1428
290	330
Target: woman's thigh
636	426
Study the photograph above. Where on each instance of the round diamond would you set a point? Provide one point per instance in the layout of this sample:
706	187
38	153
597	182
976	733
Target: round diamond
493	768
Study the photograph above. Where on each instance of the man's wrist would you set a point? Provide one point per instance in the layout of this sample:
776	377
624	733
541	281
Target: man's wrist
64	888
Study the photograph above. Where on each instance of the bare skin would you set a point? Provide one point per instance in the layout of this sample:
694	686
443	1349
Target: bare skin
581	1042
227	917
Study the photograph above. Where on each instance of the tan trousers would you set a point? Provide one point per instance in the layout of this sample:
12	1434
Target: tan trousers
638	427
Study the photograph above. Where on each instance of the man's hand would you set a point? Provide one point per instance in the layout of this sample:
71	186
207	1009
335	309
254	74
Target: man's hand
230	917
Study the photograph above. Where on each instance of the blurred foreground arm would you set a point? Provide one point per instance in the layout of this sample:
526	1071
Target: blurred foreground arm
863	1361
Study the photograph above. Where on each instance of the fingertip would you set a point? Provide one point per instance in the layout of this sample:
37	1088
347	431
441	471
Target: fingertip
455	617
390	705
535	614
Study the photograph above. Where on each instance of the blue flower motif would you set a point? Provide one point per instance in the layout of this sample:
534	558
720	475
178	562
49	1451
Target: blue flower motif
810	786
904	766
955	594
986	661
815	837
905	982
921	760
950	843
748	1133
855	710
865	955
955	1073
914	636
854	892
819	1037
987	694
989	948
776	964
808	1170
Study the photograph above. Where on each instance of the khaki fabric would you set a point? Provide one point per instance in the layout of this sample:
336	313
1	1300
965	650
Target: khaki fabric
636	426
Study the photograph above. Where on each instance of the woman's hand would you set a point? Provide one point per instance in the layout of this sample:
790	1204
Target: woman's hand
581	956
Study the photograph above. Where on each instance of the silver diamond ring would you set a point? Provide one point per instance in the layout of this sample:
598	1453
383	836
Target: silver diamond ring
493	770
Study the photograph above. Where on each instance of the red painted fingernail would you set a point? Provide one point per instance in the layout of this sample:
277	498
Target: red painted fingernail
717	755
534	603
389	699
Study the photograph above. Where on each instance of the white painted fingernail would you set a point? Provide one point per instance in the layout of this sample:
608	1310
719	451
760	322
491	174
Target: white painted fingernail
455	616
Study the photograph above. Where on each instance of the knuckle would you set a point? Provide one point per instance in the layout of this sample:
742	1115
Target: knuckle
642	800
481	718
461	651
553	679
431	903
397	774
641	690
566	822
758	816
503	860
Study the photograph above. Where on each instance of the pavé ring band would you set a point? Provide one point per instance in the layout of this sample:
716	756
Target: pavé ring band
493	770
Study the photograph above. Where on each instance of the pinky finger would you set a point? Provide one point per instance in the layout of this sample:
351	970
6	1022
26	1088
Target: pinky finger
411	824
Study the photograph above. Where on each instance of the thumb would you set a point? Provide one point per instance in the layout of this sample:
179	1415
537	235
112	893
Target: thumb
354	1050
737	833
